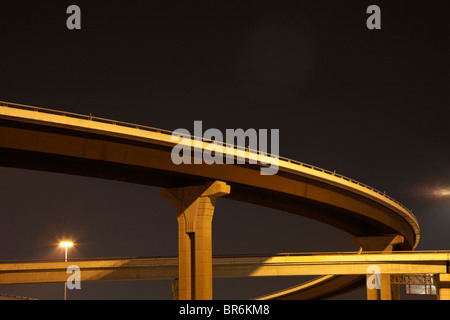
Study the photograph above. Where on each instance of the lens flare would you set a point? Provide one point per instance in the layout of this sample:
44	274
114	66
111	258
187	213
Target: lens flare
441	193
432	190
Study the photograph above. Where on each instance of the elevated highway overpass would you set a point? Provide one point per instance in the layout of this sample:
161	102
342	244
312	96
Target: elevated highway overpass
338	272
56	141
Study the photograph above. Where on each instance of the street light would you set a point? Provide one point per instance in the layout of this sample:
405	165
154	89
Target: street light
65	244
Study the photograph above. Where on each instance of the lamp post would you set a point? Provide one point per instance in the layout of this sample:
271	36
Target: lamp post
65	244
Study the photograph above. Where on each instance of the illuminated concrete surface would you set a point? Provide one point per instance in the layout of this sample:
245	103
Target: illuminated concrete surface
56	141
109	149
340	271
195	208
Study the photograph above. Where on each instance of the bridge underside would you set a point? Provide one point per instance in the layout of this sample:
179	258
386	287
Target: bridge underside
33	146
70	145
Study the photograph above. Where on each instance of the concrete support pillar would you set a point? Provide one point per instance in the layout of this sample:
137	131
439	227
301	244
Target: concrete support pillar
175	289
387	291
194	206
395	290
443	286
385	287
372	294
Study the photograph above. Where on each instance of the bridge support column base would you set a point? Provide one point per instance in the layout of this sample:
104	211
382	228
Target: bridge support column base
443	287
387	291
175	289
194	206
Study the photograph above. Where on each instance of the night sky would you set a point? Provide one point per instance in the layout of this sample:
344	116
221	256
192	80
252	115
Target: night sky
370	104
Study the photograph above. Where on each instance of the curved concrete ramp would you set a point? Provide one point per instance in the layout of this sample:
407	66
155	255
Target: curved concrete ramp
319	288
57	141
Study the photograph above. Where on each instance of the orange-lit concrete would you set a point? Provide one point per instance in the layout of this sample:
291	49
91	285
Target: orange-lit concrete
43	139
111	150
443	287
343	271
195	208
385	243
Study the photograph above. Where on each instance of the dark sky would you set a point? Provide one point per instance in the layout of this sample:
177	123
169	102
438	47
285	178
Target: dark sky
370	104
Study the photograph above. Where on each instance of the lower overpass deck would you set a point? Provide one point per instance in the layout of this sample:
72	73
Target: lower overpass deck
335	268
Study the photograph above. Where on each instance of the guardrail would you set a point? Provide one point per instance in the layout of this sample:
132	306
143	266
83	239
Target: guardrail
14	297
224	256
152	129
245	255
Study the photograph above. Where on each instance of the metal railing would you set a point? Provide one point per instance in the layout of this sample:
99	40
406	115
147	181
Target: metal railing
14	297
169	132
241	255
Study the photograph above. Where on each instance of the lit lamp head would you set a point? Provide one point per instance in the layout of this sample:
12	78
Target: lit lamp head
66	244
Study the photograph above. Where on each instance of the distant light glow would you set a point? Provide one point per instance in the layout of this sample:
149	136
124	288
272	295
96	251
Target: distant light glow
434	190
444	192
